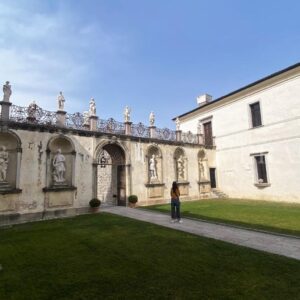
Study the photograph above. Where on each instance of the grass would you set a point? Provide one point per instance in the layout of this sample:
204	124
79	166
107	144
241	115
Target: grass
103	256
271	216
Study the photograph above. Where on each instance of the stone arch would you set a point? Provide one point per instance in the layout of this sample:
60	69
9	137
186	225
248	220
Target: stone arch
66	146
111	171
10	161
154	164
180	164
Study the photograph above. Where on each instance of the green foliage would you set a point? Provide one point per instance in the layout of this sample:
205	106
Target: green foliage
133	199
95	202
264	215
101	256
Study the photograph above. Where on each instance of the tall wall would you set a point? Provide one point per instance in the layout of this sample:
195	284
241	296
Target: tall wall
34	191
278	138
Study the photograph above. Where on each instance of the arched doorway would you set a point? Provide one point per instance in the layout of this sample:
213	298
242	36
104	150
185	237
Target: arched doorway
111	175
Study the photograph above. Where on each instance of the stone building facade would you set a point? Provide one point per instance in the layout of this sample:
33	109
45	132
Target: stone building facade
53	163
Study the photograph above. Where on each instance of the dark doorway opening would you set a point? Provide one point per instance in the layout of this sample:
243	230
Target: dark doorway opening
212	173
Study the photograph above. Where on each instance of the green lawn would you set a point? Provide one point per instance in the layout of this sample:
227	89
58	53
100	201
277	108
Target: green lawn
102	256
271	216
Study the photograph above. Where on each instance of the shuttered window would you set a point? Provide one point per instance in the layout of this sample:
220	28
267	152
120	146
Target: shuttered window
255	114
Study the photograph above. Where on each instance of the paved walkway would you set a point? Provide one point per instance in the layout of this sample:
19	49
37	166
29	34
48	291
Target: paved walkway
272	243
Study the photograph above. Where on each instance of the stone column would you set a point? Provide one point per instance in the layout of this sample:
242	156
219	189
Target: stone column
5	106
152	132
178	135
61	118
93	123
128	128
200	138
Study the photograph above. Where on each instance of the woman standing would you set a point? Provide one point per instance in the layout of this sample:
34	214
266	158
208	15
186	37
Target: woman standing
175	203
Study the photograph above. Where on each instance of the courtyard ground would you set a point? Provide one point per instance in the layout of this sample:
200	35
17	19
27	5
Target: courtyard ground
264	215
103	256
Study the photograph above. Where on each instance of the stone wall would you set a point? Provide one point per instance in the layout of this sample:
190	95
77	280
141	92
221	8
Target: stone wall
33	191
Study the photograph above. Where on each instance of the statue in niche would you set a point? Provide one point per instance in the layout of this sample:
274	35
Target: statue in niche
86	118
59	167
180	167
3	164
152	167
92	107
127	112
152	118
6	91
177	124
202	170
61	101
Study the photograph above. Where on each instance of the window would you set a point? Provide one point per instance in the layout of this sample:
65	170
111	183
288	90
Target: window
208	138
261	169
255	114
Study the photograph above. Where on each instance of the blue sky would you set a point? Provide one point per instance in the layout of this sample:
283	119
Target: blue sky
148	54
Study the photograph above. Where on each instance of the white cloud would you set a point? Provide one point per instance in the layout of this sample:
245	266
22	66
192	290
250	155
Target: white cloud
43	52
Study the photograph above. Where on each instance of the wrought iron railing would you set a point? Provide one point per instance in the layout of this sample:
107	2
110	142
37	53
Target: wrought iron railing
33	114
189	137
111	126
140	130
165	134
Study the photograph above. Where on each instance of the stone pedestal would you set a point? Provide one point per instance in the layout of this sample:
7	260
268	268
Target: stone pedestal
93	123
183	187
61	118
204	188
128	128
178	135
155	190
4	186
152	132
5	110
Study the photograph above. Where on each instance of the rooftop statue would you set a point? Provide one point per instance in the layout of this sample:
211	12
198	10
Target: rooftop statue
61	101
127	112
152	118
177	124
6	91
92	110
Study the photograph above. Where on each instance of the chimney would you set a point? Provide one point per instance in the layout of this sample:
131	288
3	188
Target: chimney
203	99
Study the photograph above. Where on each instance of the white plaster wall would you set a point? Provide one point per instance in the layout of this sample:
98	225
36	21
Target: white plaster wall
236	140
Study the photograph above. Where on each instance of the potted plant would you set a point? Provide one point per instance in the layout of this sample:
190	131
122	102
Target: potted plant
132	200
95	204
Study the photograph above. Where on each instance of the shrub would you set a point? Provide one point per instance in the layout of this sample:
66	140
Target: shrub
133	199
95	202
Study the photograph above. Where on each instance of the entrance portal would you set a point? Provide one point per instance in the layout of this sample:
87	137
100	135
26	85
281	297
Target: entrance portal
111	176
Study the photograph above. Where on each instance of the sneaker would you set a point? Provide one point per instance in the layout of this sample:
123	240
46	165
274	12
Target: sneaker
180	221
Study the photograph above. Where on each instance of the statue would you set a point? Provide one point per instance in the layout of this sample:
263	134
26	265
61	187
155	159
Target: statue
61	101
86	118
6	91
92	107
177	124
180	167
31	110
127	112
152	167
202	171
59	167
152	118
3	163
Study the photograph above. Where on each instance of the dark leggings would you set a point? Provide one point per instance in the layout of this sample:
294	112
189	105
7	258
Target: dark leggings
175	208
